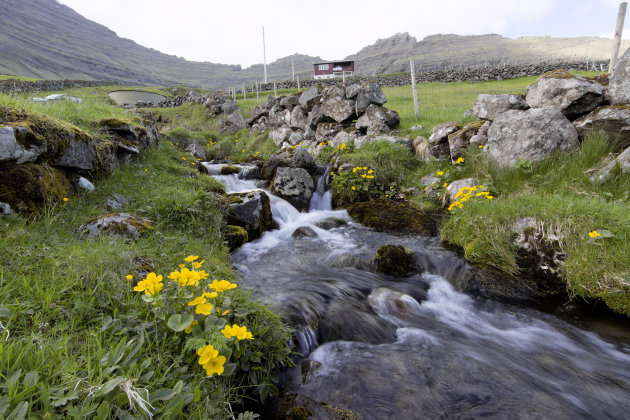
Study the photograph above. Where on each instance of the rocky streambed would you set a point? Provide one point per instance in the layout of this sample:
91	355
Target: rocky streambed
414	347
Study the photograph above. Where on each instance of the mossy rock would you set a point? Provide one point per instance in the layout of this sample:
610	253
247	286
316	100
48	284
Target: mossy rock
558	74
113	122
229	170
29	188
122	224
393	216
395	260
301	407
235	237
57	134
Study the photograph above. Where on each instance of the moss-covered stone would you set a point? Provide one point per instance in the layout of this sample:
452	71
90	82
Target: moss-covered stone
113	122
29	188
57	134
558	74
229	170
235	237
395	260
123	224
392	216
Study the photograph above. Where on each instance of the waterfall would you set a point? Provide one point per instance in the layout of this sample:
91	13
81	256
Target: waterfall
322	199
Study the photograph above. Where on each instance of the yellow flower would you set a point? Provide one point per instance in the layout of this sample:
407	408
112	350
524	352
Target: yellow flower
365	168
209	295
227	331
370	171
206	353
189	328
369	176
191	258
480	146
445	185
151	285
227	311
183	158
65	199
129	277
204	308
222	285
489	197
154	288
353	189
146	170
363	175
215	365
439	173
459	160
240	333
182	265
197	301
594	234
197	264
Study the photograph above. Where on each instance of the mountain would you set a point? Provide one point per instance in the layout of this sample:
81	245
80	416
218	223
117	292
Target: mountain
45	39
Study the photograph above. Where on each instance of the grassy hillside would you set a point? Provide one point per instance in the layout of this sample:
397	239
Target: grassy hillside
77	341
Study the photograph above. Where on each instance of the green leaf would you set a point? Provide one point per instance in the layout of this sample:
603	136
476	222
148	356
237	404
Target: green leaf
103	411
178	387
4	404
59	399
197	394
229	369
179	322
5	312
30	379
19	413
162	394
149	298
605	233
110	385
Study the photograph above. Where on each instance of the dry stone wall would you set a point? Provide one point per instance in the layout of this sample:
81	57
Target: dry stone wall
17	86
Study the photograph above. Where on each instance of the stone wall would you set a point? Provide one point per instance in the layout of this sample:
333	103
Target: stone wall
444	75
17	86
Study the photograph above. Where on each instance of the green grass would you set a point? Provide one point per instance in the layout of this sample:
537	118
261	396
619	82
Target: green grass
81	343
558	193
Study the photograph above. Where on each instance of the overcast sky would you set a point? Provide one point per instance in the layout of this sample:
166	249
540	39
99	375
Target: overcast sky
230	31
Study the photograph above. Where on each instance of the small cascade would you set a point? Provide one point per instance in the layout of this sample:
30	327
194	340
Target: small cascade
307	340
322	198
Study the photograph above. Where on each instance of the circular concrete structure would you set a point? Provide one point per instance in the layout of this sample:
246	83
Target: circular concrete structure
131	97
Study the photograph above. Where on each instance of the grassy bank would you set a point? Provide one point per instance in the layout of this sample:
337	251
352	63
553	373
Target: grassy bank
77	341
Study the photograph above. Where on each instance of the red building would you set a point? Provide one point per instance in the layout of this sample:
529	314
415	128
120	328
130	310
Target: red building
330	69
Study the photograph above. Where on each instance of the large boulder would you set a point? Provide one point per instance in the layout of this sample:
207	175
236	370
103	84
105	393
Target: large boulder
619	83
197	151
531	135
309	98
280	135
233	123
612	120
316	116
20	145
297	118
78	154
481	137
454	188
487	107
289	158
229	106
289	102
251	211
369	94
294	185
392	216
604	174
376	120
28	188
335	105
573	95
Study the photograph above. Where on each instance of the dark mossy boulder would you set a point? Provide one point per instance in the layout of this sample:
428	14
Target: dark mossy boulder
393	216
123	224
30	187
235	237
251	211
395	260
229	170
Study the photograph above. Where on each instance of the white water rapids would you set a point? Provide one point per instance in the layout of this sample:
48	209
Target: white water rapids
415	347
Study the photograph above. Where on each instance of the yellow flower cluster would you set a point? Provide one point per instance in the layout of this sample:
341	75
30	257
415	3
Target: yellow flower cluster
367	174
240	333
466	193
210	360
221	285
594	234
459	160
343	147
187	277
151	285
324	143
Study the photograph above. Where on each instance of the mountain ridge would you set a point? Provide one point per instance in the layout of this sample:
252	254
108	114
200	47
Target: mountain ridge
46	39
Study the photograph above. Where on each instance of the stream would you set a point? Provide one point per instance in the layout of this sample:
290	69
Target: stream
411	348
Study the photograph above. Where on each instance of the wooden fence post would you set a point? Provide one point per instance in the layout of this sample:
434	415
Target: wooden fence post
413	88
275	91
618	30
